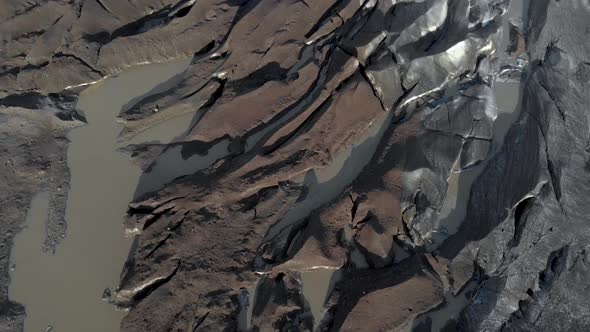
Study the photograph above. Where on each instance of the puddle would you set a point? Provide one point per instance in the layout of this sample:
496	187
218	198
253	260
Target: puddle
317	285
64	290
507	94
507	98
454	208
448	312
513	16
247	305
358	259
170	165
327	183
356	256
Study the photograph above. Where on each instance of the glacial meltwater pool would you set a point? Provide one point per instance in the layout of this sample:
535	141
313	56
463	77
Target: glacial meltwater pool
62	291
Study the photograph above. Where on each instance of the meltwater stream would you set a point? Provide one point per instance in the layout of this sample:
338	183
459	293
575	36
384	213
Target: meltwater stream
62	291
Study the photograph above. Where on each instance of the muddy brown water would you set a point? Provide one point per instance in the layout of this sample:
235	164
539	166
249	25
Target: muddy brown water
64	290
317	286
170	165
450	310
